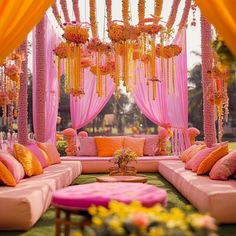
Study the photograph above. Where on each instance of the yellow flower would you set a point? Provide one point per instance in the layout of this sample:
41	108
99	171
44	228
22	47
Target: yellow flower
97	221
92	210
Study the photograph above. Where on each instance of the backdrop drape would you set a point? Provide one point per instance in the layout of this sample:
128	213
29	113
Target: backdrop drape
52	92
85	109
170	108
17	19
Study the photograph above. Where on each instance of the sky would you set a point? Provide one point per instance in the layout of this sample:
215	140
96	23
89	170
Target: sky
193	33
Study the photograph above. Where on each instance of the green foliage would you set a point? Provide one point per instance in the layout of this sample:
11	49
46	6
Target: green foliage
61	146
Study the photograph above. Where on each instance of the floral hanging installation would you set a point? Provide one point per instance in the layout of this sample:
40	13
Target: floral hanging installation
10	71
133	49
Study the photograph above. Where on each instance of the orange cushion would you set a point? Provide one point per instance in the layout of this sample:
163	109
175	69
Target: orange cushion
106	146
191	151
6	177
51	151
212	158
135	144
28	160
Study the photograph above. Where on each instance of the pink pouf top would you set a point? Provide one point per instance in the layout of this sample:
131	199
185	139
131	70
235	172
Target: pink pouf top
99	194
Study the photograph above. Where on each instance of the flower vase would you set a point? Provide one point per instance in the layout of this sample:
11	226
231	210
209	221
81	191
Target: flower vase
122	171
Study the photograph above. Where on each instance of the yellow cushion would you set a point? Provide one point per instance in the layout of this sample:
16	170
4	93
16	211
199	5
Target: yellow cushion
191	151
106	146
28	160
6	177
212	158
135	144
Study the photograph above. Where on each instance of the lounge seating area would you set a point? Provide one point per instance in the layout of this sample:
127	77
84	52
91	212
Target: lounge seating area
113	118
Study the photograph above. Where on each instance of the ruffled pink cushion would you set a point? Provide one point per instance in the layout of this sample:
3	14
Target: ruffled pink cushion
38	153
87	147
12	165
224	167
85	195
196	160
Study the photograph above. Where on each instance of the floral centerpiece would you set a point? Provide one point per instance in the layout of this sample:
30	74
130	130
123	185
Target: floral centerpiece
121	159
134	219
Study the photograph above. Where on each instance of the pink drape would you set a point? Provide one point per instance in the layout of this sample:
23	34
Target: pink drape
51	99
85	109
169	108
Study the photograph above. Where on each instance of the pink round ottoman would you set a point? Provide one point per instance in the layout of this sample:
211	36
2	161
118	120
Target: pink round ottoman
79	198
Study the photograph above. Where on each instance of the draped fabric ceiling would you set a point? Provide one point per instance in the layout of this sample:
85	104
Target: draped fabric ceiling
221	14
17	18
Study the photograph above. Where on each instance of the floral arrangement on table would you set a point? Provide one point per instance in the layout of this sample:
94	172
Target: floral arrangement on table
121	159
134	219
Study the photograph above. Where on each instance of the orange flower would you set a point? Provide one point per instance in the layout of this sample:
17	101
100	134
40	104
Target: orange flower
76	34
61	50
169	51
153	28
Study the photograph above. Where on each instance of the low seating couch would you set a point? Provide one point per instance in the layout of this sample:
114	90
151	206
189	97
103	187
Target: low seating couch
23	205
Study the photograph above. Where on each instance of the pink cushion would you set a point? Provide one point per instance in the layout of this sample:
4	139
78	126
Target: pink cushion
196	160
83	196
224	167
38	153
51	151
12	165
150	145
87	147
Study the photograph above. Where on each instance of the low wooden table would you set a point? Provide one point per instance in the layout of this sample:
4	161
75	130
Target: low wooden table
130	179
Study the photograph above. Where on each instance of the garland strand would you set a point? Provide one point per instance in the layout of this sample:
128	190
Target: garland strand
207	84
23	102
158	7
109	16
65	10
141	10
184	18
56	13
92	12
172	16
125	11
76	10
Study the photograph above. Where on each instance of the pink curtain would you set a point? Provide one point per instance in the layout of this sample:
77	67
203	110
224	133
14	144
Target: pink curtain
51	99
85	109
170	108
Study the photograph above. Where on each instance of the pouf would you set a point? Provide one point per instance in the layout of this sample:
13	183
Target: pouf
99	194
77	199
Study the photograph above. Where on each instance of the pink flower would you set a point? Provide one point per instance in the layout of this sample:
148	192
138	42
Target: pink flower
140	219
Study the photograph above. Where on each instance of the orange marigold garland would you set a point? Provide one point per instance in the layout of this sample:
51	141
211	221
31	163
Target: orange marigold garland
141	10
158	7
109	15
125	11
92	13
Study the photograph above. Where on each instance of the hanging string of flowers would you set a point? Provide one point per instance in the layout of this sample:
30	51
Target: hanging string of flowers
92	13
109	14
125	11
141	10
185	14
172	16
56	14
76	10
65	10
158	8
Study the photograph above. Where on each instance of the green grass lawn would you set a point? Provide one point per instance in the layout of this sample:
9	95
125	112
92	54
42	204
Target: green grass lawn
232	145
45	226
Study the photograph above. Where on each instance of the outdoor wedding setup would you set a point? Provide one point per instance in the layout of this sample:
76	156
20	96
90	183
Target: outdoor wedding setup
178	180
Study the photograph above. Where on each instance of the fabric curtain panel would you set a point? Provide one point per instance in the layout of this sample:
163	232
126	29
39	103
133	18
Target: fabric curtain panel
221	14
85	109
52	92
170	108
17	19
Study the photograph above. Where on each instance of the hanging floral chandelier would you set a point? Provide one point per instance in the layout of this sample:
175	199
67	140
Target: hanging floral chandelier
10	71
133	49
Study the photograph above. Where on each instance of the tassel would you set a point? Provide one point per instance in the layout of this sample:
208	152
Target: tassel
153	90
173	75
167	76
117	69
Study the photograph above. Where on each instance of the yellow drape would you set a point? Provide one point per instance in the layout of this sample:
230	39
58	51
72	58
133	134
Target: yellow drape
17	18
222	14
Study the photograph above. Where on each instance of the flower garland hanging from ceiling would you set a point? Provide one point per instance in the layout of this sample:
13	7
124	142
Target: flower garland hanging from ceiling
10	72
